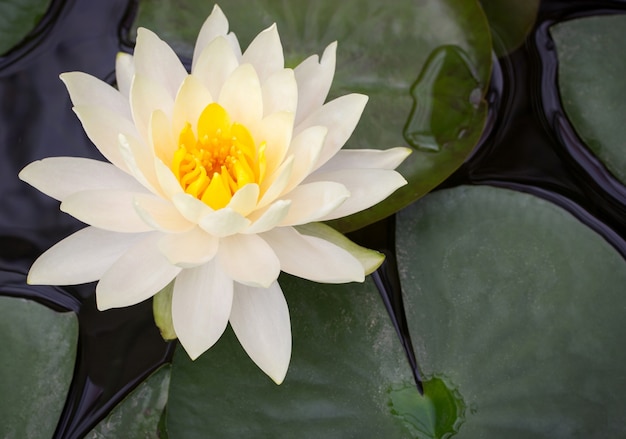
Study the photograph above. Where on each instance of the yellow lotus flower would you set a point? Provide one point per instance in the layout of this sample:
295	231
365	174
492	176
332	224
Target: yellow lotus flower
216	180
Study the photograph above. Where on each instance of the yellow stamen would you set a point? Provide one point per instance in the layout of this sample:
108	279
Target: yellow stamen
220	160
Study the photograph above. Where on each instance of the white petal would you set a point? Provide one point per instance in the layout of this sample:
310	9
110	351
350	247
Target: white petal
139	161
193	97
189	249
340	116
234	44
147	96
265	53
82	257
369	259
161	214
280	92
366	159
59	177
305	149
249	260
241	97
274	185
107	209
190	207
162	140
260	320
103	128
367	187
138	274
312	201
313	258
88	90
170	186
201	306
268	218
215	25
215	64
245	199
124	72
224	222
314	80
275	130
155	60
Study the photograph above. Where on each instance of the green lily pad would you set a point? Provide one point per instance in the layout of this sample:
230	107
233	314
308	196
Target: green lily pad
592	68
425	67
521	307
36	365
138	415
17	19
348	376
511	21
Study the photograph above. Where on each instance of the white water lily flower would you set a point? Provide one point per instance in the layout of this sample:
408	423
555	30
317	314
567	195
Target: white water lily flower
216	181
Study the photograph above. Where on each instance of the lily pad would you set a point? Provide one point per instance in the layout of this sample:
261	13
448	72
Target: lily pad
348	376
17	19
138	415
592	68
521	307
36	365
511	21
426	68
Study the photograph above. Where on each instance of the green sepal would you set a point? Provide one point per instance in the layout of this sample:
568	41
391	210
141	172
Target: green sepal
162	310
370	259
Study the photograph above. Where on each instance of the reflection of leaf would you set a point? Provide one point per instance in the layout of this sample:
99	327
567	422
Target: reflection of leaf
592	68
36	365
522	307
137	416
510	21
382	50
17	19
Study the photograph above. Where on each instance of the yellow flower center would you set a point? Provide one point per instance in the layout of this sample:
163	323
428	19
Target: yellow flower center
220	160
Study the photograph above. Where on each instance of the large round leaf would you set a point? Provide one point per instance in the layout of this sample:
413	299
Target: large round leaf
522	307
348	377
425	66
17	19
511	21
592	68
138	415
36	365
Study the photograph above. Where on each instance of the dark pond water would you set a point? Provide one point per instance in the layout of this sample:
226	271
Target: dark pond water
529	146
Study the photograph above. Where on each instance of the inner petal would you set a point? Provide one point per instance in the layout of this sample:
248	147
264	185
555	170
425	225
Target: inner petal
221	159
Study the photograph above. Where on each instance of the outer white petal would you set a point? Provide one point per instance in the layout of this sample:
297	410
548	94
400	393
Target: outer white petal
245	199
189	249
265	53
367	187
249	260
224	222
147	96
215	25
82	257
340	116
191	100
268	218
314	80
241	97
366	159
234	44
201	306
161	214
138	274
215	64
280	92
305	149
124	72
106	209
88	90
313	258
140	162
312	201
103	128
155	60
60	177
260	319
